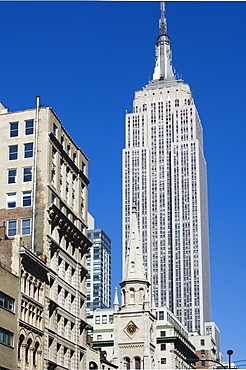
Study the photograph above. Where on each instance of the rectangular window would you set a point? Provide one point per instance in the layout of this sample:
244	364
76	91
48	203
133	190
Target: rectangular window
12	227
26	198
6	302
28	150
202	352
6	337
12	174
203	363
202	342
99	337
13	152
161	315
111	319
53	198
97	320
13	129
26	226
163	361
54	129
11	200
27	174
29	127
163	346
104	319
163	333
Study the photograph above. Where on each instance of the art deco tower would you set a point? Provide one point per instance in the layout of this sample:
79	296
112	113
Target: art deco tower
164	174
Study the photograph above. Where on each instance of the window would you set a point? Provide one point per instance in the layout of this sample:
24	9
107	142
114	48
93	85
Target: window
52	180
127	363
29	125
68	149
202	342
34	356
27	174
163	361
13	152
104	319
132	296
202	352
161	315
54	129
11	200
26	226
12	174
202	363
26	198
53	198
163	346
163	333
6	337
99	337
97	320
6	302
13	129
28	150
137	363
111	319
12	227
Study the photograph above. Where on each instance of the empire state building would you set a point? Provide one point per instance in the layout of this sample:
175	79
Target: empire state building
164	175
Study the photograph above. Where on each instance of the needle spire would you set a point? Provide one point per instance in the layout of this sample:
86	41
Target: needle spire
163	23
163	63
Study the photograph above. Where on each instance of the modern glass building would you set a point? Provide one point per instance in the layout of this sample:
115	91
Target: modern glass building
164	174
99	271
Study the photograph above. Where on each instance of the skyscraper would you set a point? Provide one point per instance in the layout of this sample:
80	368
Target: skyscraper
164	174
99	269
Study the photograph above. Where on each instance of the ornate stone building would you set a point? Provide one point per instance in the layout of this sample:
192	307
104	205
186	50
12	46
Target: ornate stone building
43	213
138	335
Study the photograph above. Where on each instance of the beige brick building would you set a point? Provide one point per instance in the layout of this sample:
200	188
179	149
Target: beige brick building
43	214
8	316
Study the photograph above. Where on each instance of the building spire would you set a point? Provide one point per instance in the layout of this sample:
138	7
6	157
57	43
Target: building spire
163	61
134	267
163	23
116	300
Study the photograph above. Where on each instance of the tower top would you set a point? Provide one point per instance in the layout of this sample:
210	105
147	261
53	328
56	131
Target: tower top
163	72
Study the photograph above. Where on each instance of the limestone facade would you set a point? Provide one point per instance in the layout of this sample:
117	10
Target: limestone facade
8	316
43	214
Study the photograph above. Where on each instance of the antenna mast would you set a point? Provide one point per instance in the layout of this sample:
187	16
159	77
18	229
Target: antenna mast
163	19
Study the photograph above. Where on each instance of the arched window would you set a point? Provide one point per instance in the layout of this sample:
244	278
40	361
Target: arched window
137	363
92	365
132	266
141	295
29	342
126	363
35	353
123	297
21	340
132	296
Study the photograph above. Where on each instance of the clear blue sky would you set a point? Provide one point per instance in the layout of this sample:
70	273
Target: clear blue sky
86	59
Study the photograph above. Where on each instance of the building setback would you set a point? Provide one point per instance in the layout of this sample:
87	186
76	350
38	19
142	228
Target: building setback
164	174
43	214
